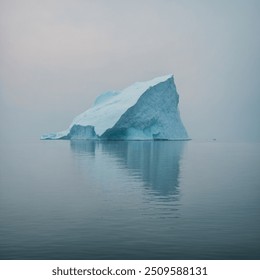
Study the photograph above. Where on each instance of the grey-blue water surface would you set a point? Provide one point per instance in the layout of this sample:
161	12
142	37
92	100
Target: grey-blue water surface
129	200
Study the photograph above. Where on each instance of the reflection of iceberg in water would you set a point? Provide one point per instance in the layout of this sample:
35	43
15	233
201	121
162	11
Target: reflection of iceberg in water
83	147
156	163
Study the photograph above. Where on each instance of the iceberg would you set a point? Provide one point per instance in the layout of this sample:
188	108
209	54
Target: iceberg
143	111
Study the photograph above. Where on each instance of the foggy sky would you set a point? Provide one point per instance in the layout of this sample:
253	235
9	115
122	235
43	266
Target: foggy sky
56	56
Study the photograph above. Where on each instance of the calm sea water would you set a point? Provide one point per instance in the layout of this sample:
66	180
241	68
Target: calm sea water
129	200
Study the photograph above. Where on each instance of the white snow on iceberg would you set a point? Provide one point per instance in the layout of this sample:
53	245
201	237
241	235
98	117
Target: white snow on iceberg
143	111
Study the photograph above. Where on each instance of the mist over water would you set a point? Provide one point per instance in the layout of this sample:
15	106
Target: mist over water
129	200
55	62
